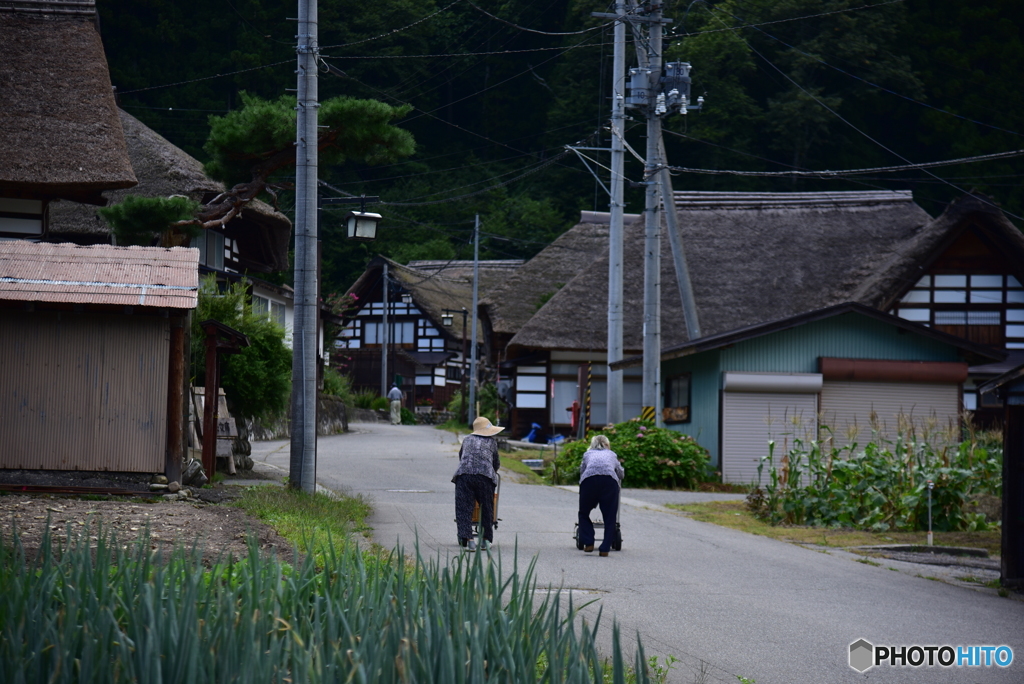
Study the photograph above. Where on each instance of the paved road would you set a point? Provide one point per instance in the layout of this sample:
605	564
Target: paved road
722	602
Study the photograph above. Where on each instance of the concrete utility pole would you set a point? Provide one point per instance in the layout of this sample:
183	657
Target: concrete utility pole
383	336
302	463
472	330
615	228
675	241
652	225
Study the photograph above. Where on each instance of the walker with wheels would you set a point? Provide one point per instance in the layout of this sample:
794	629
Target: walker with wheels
599	525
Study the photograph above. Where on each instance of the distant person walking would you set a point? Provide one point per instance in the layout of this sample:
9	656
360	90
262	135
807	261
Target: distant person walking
600	479
395	395
475	481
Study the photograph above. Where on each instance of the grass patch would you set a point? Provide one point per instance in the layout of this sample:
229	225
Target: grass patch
307	520
734	514
513	464
456	426
872	563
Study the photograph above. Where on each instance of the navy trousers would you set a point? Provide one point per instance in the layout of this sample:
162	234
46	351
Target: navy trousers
603	491
469	490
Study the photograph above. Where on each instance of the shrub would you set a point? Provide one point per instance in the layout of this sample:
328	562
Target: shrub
364	398
141	220
408	417
880	487
380	404
338	385
651	456
257	381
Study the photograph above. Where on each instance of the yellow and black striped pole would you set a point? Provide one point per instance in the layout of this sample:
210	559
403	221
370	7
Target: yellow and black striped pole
586	404
647	413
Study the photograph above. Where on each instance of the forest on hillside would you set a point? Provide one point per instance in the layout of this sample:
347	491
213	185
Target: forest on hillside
498	88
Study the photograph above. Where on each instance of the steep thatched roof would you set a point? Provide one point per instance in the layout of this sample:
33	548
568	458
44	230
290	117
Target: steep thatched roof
511	305
60	135
164	170
433	289
752	257
493	272
892	277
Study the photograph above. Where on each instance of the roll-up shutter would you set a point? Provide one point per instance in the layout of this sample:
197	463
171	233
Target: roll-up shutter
847	408
783	406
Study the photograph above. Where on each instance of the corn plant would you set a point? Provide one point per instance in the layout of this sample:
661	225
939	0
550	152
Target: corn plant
93	610
883	486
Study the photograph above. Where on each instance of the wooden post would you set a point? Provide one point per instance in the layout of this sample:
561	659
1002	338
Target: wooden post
210	394
175	402
1012	555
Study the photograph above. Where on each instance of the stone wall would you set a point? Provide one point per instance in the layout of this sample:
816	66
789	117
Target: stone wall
332	419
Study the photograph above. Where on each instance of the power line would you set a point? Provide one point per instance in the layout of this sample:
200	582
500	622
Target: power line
854	172
393	31
542	33
837	115
205	78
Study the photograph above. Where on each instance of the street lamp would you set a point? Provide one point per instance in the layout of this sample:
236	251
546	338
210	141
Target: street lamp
447	319
362	224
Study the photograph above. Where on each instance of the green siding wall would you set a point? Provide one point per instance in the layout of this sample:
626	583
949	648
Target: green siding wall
849	336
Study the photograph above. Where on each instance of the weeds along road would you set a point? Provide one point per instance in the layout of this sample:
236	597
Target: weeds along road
725	603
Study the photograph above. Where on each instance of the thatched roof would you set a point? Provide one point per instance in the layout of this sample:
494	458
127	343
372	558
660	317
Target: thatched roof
752	257
60	135
890	279
493	272
511	305
433	288
164	170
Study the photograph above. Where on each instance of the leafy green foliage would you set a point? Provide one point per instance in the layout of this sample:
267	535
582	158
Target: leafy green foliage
262	133
142	220
257	381
651	456
338	385
883	486
101	611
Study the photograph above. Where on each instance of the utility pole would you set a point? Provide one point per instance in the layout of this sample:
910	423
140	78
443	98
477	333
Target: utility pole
302	461
615	227
659	90
472	335
384	338
652	222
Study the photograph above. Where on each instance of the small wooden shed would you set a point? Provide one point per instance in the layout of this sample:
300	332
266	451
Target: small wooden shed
1010	390
94	340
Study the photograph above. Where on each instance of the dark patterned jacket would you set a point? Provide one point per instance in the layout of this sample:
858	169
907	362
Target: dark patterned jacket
479	456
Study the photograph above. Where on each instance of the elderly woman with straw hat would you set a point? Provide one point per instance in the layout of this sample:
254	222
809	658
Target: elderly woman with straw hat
475	481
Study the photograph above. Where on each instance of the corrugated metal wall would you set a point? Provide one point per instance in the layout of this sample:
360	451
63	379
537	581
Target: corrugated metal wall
80	391
932	409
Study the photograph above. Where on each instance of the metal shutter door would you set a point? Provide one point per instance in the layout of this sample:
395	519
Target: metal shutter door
750	419
847	406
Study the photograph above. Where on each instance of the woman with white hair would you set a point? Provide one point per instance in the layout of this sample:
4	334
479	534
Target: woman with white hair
600	479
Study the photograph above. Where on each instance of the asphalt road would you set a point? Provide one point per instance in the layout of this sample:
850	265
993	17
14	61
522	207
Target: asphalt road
724	603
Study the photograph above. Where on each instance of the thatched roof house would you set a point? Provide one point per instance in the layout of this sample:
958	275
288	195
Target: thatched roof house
261	233
60	137
434	286
511	305
753	258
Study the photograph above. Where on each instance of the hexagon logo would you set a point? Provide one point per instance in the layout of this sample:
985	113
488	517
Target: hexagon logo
862	655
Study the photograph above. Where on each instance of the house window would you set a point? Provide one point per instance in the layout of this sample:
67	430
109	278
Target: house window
981	307
210	244
21	218
269	308
677	399
351	336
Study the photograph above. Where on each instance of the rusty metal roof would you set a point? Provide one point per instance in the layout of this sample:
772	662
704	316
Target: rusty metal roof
100	274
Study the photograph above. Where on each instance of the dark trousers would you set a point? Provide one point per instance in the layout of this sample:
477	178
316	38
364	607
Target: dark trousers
603	491
470	490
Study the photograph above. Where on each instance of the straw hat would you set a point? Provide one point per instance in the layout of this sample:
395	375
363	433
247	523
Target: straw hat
483	427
